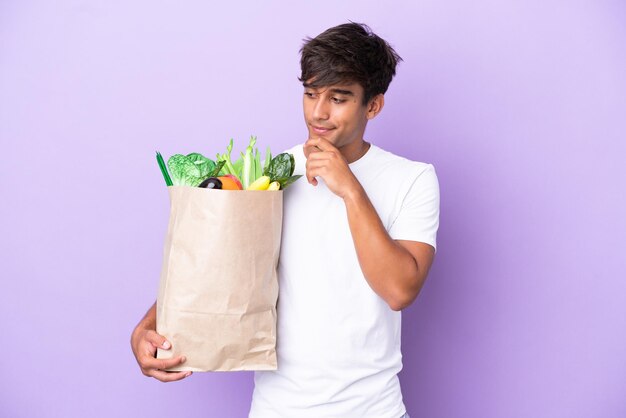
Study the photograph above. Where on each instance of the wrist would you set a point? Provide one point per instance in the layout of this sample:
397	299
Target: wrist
141	328
355	194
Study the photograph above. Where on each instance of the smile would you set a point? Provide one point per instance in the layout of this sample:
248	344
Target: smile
319	130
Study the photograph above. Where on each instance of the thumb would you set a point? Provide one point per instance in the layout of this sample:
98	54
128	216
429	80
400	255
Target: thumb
158	340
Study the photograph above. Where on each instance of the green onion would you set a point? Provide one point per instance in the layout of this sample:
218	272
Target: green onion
163	167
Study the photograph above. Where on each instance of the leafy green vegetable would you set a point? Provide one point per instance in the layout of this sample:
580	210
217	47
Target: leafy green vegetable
286	181
204	165
184	171
190	170
281	167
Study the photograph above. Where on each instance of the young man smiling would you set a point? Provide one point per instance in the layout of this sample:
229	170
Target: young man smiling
356	247
358	241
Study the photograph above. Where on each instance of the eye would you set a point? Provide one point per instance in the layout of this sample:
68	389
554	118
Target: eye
337	100
309	94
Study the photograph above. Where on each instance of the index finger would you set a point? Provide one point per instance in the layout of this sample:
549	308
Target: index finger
308	148
169	376
321	143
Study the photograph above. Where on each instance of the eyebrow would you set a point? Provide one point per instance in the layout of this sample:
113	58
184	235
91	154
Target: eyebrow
336	91
341	91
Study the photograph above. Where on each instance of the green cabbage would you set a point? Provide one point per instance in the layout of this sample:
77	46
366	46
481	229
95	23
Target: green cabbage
190	170
204	164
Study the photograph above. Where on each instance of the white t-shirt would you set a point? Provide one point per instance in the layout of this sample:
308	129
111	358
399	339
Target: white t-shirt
338	342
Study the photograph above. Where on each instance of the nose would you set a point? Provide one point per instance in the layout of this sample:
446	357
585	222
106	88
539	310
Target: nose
320	109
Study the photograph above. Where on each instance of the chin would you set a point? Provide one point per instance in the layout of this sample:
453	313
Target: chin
331	138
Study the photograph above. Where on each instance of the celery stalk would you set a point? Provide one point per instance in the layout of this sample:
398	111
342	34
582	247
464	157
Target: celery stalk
247	173
238	166
258	170
228	165
268	160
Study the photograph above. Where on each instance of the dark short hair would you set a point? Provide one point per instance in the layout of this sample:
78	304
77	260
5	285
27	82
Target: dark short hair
348	53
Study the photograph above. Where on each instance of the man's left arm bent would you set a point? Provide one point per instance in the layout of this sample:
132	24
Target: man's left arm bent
394	269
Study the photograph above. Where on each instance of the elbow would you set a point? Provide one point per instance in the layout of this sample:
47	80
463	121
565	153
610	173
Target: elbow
401	301
404	296
397	307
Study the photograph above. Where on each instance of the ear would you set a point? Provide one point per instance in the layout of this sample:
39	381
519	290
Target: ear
375	106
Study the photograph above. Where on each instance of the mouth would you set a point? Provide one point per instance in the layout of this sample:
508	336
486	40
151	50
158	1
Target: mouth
320	130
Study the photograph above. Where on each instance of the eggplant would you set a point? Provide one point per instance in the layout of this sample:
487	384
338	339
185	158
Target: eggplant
211	183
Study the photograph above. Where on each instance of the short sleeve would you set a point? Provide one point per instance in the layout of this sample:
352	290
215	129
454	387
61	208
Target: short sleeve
418	217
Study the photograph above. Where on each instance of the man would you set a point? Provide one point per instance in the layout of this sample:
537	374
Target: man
358	241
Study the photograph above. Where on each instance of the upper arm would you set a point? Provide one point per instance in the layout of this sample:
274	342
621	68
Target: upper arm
423	254
417	220
415	229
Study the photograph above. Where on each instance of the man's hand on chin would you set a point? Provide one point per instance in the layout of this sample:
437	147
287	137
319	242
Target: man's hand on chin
324	160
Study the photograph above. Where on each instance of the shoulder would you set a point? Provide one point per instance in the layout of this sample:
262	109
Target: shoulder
388	162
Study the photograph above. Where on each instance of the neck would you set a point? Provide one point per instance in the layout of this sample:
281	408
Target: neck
354	151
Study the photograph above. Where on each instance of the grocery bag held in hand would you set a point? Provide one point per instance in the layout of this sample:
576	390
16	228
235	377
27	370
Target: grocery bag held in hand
218	287
218	290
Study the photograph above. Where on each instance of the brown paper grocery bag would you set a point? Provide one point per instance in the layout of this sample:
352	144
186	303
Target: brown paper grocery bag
218	289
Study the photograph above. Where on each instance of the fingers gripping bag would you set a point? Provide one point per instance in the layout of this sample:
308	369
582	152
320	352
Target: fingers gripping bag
218	286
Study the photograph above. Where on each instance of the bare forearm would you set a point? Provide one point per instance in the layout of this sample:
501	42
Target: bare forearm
390	269
149	319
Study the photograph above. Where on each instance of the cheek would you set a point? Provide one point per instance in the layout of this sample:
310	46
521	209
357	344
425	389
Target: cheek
305	109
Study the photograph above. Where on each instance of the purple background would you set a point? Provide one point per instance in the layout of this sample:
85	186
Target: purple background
520	105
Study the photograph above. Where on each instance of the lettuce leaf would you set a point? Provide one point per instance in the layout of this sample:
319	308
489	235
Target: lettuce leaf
190	170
